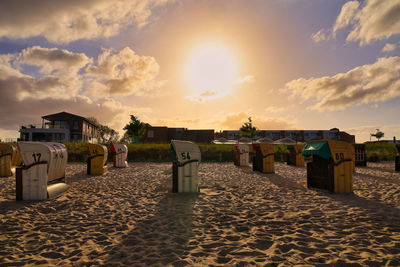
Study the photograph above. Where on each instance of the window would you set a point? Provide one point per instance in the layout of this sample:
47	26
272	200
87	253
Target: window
60	125
150	133
76	125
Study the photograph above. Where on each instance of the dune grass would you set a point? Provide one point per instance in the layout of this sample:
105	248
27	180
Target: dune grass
78	152
381	152
211	152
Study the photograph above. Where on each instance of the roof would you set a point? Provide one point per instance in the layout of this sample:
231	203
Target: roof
284	141
63	113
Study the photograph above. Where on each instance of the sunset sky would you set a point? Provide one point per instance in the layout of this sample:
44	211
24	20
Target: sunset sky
289	64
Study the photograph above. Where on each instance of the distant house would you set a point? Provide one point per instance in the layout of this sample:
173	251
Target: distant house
163	134
61	127
299	135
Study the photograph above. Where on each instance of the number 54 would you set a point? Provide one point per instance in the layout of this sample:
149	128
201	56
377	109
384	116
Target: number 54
185	155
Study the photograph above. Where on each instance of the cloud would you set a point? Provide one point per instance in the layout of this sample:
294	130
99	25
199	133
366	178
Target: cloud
321	35
62	73
202	97
375	82
52	59
67	21
208	93
370	21
388	48
245	79
348	15
123	72
273	109
61	78
235	120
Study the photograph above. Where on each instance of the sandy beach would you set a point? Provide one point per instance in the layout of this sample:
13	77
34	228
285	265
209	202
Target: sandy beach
240	218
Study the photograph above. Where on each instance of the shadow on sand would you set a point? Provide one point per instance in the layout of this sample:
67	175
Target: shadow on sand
160	239
282	181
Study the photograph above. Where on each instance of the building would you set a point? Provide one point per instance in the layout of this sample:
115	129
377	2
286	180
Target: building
61	127
298	135
164	134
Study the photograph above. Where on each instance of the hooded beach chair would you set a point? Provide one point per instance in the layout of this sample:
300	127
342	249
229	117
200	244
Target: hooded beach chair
241	156
185	167
10	157
263	161
42	175
120	155
97	160
295	157
331	167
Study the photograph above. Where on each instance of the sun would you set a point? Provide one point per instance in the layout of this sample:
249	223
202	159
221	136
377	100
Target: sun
211	70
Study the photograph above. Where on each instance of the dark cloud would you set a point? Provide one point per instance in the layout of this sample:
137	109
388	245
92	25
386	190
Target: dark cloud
25	98
66	21
49	59
123	72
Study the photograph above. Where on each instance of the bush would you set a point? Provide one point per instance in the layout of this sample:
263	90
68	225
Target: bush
381	152
77	152
373	157
150	152
210	152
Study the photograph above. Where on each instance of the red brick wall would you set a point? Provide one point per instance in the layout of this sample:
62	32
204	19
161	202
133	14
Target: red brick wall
160	135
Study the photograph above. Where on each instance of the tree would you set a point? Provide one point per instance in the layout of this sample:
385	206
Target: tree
94	121
247	129
378	134
106	134
125	138
135	129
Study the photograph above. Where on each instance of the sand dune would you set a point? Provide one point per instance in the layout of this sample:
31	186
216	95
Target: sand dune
241	217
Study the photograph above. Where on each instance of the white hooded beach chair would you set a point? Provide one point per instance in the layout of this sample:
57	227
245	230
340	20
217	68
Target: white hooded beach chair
241	155
185	167
43	174
120	155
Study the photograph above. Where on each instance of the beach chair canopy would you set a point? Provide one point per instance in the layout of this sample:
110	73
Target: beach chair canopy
264	148
185	151
55	154
98	150
11	149
319	148
118	148
398	148
6	148
339	151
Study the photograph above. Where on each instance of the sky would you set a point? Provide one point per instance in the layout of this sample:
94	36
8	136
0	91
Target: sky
203	64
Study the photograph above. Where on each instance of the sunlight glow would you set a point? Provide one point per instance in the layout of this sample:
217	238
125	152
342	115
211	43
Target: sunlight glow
211	70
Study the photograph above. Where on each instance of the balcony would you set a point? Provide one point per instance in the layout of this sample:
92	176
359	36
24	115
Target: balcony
46	126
